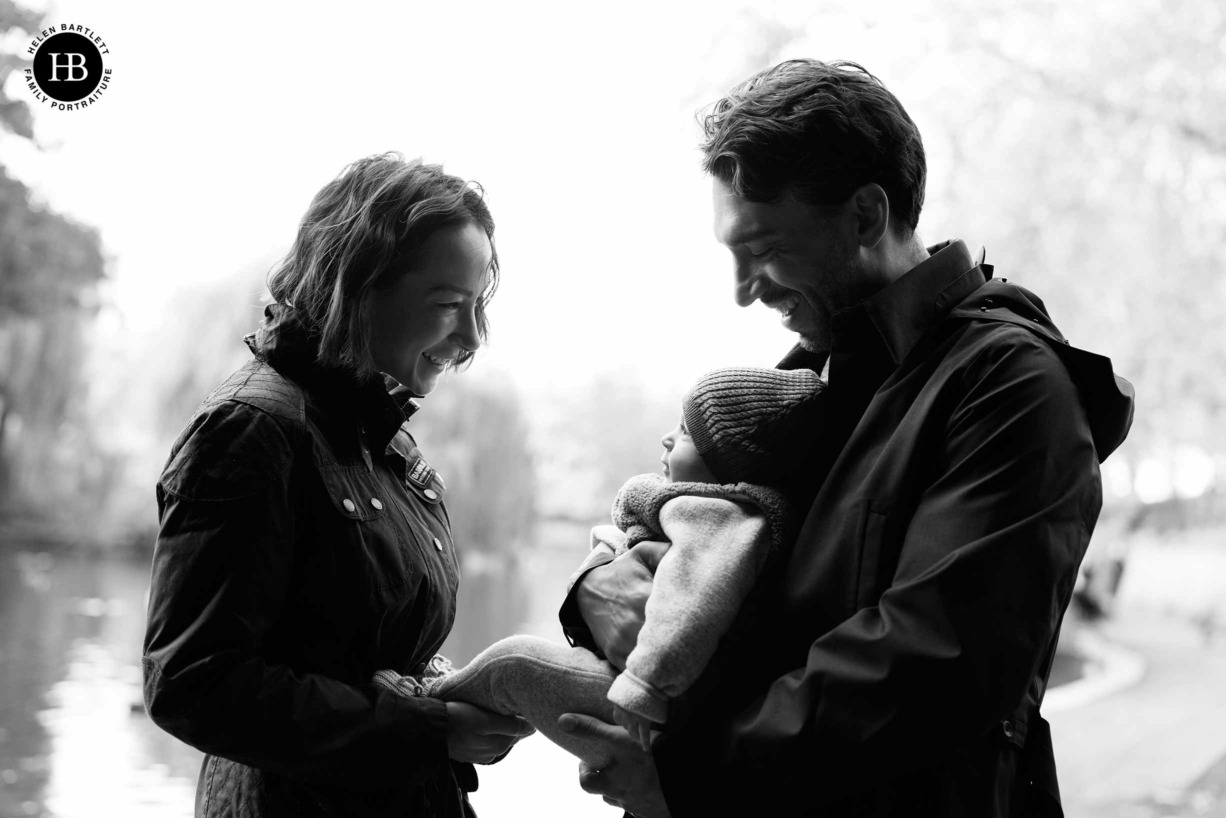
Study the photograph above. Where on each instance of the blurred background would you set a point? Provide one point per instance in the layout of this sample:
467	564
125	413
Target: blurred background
1083	143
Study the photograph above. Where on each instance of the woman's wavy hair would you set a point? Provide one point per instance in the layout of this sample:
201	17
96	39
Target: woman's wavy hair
356	230
816	131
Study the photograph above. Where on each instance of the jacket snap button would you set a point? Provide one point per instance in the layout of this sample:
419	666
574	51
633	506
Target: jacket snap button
374	501
438	545
1007	726
983	309
348	504
431	494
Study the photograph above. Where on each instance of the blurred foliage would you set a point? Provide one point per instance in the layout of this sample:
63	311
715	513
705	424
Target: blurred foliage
50	268
1107	135
477	436
196	345
201	343
592	435
14	20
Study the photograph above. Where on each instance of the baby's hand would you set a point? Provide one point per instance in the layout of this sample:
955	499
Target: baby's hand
638	727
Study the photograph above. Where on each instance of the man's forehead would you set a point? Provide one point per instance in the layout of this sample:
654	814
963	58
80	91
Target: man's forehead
739	221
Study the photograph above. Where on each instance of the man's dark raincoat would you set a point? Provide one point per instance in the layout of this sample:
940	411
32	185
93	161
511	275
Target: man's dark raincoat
898	655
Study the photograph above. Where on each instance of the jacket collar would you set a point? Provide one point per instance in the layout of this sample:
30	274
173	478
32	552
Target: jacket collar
903	311
898	315
288	346
950	285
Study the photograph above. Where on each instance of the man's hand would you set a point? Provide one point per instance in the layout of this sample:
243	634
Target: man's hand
613	596
480	736
629	780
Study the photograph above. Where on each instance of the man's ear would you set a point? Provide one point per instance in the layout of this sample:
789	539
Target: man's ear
871	207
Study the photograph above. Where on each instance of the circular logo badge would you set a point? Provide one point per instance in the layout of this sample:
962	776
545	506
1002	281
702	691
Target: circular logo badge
67	67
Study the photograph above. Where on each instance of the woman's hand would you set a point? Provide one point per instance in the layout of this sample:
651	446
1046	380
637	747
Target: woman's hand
481	736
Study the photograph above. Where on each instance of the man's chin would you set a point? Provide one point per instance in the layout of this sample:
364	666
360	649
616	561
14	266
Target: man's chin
810	344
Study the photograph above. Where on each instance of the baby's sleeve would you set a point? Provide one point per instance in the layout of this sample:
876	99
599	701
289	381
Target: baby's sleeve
718	549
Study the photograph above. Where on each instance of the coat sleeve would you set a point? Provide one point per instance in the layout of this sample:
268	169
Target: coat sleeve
576	631
718	548
222	569
986	566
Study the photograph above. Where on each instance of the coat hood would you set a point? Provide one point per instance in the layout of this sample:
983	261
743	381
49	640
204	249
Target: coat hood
1108	399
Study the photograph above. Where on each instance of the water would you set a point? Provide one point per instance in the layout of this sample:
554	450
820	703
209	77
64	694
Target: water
74	738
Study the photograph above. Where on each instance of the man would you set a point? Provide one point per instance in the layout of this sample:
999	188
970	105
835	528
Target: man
894	662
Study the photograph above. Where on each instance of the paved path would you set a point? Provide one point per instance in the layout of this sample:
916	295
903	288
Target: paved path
1139	750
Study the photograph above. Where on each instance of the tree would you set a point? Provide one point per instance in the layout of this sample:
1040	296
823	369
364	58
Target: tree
15	113
50	267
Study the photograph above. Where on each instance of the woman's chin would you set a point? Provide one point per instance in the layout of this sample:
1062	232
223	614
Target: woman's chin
423	384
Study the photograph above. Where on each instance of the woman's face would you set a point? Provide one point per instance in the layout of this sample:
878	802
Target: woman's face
426	318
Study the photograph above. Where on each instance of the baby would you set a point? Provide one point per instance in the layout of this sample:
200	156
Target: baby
722	506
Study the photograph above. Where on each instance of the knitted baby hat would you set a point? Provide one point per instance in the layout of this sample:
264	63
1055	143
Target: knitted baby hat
753	425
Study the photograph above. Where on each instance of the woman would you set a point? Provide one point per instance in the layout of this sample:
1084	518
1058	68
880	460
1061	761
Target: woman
304	542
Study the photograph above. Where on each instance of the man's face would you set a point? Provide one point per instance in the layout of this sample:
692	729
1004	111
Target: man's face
796	258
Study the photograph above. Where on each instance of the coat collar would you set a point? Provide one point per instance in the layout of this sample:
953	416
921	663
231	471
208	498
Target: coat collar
288	346
903	311
951	286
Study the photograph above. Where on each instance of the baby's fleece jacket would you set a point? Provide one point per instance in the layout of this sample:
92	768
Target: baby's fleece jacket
720	537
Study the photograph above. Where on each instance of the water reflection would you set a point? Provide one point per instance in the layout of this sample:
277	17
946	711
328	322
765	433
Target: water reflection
74	738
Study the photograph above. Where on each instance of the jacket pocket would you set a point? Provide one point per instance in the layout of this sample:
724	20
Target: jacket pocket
362	510
353	494
870	560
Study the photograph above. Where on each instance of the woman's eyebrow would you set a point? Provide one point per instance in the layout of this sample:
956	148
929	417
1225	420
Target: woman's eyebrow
452	288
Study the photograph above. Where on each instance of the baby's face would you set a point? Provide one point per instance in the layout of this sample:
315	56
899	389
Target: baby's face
681	460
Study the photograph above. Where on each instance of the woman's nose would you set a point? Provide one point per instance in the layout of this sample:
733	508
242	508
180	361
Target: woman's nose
467	334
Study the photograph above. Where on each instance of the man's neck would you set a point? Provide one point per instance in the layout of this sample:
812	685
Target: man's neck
903	256
891	259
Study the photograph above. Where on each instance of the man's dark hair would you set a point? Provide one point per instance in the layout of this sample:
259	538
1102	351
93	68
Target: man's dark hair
816	131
